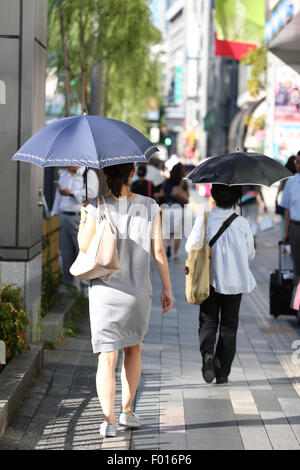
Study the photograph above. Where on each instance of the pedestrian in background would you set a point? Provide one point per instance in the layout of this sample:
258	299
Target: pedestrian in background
290	165
230	277
291	202
120	303
142	185
69	196
252	198
176	196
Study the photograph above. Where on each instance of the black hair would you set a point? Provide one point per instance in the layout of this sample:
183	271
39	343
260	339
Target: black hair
226	196
142	170
117	176
291	164
176	174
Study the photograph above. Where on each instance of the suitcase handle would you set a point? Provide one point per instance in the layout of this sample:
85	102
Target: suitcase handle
279	264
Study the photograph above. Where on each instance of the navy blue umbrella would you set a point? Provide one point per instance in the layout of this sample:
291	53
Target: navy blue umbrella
89	141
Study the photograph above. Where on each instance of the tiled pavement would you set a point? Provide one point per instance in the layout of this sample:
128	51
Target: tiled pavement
259	409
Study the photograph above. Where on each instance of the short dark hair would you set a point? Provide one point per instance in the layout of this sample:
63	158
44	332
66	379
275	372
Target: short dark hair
176	174
226	196
142	170
291	163
117	176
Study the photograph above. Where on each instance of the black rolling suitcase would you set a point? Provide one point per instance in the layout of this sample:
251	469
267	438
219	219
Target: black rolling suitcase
281	290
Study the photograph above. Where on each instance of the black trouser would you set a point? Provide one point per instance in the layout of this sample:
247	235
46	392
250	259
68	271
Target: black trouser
295	248
228	306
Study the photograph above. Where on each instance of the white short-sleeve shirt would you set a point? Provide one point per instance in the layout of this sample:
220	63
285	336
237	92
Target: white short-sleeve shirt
229	268
291	197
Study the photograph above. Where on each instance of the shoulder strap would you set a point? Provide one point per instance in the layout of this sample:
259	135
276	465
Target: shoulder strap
106	210
224	226
98	210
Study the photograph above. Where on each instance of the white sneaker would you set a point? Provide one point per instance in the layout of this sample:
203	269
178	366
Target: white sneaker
128	420
108	430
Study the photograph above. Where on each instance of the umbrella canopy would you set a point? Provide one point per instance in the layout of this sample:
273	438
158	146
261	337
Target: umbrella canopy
239	168
89	141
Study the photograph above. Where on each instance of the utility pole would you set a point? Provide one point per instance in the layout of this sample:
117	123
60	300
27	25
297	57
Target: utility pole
96	90
204	66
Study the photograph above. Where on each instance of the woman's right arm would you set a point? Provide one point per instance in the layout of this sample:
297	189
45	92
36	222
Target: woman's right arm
196	233
161	262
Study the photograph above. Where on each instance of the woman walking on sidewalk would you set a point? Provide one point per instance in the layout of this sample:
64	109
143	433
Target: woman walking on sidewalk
230	277
177	195
120	303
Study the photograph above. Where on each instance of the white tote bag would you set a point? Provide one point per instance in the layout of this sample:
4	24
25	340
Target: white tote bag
102	257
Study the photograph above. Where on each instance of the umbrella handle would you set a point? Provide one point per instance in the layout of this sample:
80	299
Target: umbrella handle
85	181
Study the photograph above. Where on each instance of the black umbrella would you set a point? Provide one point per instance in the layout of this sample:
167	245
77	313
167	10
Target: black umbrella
240	168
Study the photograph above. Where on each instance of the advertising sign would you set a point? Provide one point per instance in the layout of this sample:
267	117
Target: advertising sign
287	95
284	10
286	141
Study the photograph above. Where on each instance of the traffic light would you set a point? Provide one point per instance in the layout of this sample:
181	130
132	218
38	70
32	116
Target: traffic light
168	141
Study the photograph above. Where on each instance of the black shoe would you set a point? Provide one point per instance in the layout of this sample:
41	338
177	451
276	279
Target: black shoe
221	380
218	367
168	251
208	369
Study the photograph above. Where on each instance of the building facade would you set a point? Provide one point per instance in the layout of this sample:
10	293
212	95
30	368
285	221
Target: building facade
200	88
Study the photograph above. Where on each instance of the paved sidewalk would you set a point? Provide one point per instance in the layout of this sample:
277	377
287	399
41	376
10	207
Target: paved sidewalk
259	409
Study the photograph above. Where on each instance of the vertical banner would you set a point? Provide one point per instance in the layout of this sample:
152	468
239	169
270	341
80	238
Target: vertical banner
239	26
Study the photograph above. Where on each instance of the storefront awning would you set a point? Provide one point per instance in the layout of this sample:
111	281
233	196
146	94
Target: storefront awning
285	43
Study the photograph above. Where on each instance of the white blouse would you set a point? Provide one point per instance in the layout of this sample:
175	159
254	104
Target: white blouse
229	267
76	184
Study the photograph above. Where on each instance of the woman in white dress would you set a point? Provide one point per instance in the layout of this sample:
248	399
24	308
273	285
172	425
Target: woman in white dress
120	303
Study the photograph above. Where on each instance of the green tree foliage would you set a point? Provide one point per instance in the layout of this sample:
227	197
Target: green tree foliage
257	59
118	35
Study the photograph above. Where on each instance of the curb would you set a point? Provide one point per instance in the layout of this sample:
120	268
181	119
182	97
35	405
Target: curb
15	380
53	323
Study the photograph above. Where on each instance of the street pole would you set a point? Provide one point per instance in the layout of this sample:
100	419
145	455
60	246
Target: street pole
204	72
96	90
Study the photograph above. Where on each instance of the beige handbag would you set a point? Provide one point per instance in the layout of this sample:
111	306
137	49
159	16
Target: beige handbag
197	270
197	281
102	257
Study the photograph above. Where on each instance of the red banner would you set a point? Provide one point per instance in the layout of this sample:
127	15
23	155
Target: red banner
233	49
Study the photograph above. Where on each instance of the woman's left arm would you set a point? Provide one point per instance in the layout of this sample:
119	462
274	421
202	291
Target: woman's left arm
87	230
250	241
